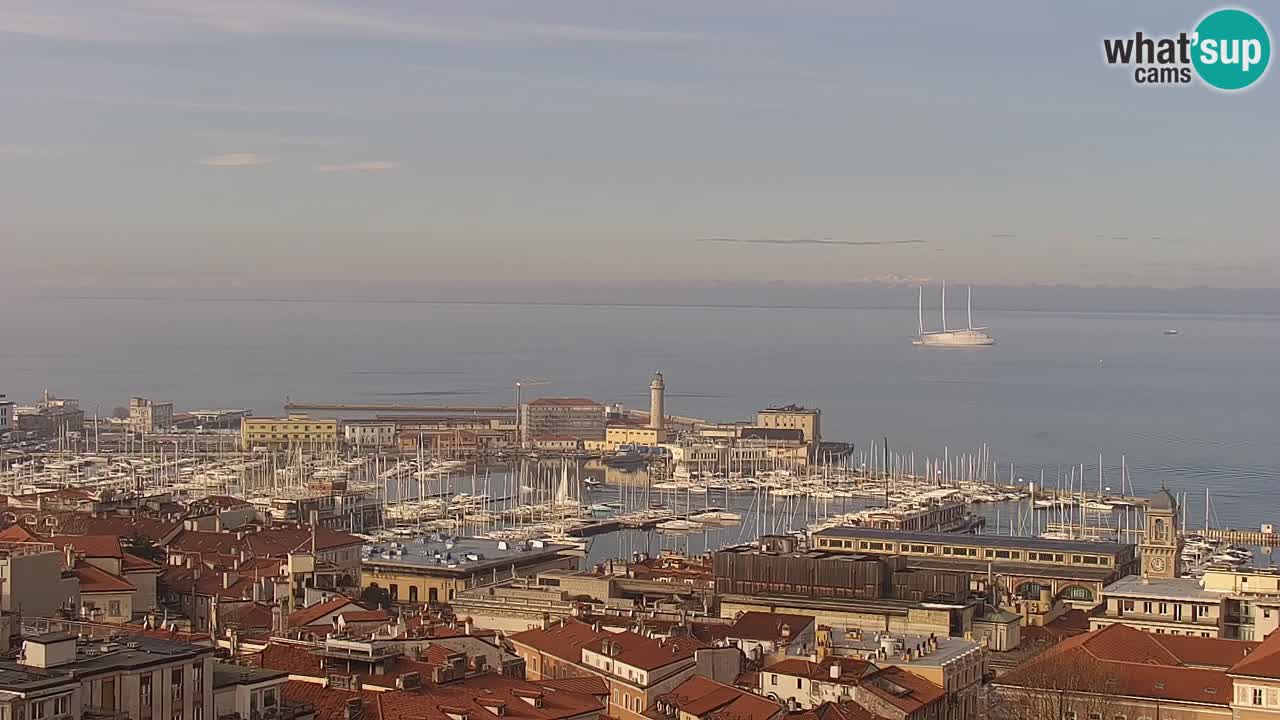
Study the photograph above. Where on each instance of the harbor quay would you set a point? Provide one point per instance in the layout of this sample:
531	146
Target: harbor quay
471	560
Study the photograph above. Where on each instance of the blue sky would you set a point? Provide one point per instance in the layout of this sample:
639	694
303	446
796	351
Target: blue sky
270	142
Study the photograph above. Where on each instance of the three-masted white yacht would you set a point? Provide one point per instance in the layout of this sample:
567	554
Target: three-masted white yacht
967	337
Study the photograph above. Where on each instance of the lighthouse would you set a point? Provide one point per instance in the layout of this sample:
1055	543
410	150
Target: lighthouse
657	418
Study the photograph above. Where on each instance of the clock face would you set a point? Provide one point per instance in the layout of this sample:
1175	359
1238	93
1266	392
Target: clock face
1157	564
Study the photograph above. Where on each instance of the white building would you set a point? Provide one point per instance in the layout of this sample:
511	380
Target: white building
369	434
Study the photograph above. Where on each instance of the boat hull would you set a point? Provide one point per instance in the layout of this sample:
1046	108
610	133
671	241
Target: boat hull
955	338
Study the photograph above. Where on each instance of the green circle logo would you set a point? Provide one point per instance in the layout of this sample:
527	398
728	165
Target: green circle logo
1232	49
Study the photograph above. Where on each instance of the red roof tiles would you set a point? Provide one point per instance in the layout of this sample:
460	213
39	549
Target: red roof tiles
94	546
562	640
1130	662
703	697
321	611
769	626
1263	662
96	580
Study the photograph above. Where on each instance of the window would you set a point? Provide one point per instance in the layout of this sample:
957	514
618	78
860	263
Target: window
799	683
197	673
1069	715
1146	607
144	690
40	708
113	608
62	705
1095	716
1257	696
413	594
175	684
395	591
1164	608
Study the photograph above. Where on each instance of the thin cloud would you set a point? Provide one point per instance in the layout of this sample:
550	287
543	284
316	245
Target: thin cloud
807	241
257	138
170	21
237	160
364	166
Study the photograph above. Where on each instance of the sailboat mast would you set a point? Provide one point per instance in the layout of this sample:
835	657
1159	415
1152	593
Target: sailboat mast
969	305
919	309
944	306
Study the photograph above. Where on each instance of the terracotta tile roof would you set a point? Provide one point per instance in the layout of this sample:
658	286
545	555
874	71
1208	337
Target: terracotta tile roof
144	526
903	689
483	697
293	659
247	616
769	626
94	546
1129	662
17	533
646	653
852	670
593	685
703	697
321	611
330	703
365	616
96	580
562	640
1264	661
836	711
1205	652
133	563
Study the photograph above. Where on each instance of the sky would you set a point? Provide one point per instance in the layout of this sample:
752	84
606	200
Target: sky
291	143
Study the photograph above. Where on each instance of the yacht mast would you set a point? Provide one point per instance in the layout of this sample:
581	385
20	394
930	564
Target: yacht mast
920	308
969	303
944	306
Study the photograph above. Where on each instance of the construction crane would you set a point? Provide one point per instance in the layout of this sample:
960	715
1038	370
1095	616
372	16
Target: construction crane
520	384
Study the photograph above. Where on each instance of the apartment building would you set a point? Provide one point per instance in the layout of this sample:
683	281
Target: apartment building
62	674
292	432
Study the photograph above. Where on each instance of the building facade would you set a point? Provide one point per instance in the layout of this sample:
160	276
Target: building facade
579	418
793	417
147	416
370	434
6	415
292	432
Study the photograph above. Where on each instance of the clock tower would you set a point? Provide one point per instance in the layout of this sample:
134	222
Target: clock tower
1161	544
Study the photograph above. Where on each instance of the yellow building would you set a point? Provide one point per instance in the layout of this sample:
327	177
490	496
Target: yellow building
289	432
434	571
617	434
793	417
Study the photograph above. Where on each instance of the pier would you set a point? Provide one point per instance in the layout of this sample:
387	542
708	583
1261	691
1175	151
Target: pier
502	411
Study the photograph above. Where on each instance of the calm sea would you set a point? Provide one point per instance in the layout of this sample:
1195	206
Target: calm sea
1193	411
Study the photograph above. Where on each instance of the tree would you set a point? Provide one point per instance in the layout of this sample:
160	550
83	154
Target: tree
377	596
144	548
1047	688
120	413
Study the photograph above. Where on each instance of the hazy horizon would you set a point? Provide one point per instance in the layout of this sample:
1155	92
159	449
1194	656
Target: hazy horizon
393	143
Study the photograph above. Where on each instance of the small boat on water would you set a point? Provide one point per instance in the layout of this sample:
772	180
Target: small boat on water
1170	331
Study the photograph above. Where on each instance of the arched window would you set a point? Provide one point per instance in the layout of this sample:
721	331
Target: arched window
1030	590
1159	535
1076	593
